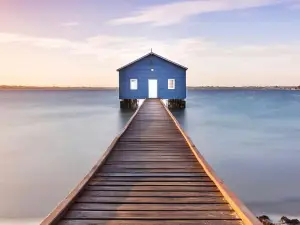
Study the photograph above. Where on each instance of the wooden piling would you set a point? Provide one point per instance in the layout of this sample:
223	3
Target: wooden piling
128	103
176	104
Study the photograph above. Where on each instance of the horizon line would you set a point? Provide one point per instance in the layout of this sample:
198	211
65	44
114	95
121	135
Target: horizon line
114	87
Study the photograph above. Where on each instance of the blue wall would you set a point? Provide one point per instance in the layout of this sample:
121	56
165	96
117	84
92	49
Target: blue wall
163	70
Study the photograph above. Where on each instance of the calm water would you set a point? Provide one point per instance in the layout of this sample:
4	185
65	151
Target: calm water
50	139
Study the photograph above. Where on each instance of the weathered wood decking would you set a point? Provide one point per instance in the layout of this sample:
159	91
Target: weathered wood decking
151	174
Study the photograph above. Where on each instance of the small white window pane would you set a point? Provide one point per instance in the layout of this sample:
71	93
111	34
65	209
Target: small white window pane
133	84
171	83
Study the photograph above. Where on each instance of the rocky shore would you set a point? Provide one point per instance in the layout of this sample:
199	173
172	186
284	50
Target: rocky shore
284	220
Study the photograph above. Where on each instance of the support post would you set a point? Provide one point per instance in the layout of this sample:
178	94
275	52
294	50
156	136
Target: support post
128	103
176	104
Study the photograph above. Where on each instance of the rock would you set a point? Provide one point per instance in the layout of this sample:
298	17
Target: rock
263	217
286	220
265	220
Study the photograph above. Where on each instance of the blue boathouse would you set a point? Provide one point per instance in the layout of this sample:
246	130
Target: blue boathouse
152	76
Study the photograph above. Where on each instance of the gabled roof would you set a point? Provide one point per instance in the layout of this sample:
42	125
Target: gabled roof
152	53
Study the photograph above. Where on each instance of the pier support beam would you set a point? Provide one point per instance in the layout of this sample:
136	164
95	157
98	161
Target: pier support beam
176	104
128	103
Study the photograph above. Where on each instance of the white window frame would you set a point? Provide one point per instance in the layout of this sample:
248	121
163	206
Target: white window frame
169	83
135	87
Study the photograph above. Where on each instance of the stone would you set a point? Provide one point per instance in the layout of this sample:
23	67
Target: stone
286	220
265	220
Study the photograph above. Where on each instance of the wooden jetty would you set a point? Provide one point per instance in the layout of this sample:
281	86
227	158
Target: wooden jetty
151	174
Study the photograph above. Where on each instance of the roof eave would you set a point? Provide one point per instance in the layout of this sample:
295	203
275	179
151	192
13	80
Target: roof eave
152	53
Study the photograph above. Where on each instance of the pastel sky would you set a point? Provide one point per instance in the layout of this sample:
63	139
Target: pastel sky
83	42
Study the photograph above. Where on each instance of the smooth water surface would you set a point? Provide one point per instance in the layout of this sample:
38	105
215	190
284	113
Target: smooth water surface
252	140
50	139
49	142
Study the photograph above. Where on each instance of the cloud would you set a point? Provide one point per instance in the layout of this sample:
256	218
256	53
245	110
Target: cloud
172	13
104	45
70	24
36	41
209	63
295	6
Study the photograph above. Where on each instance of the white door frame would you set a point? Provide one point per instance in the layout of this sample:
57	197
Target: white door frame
152	88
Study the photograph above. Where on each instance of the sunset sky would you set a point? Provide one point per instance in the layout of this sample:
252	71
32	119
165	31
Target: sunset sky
83	42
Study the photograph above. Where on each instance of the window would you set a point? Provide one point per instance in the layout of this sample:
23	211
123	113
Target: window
133	84
171	83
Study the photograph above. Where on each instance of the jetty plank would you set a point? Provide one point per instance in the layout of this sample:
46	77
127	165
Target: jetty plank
143	215
151	188
150	207
153	179
150	194
166	200
150	222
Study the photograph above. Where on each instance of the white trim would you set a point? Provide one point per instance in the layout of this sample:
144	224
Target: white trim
133	84
152	53
169	86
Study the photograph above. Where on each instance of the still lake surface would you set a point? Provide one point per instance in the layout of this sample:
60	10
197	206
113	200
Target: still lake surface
50	139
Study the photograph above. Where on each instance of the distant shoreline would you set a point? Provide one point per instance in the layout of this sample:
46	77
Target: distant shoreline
8	87
294	88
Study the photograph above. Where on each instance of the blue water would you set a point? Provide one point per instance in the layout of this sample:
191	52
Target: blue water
252	140
50	139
